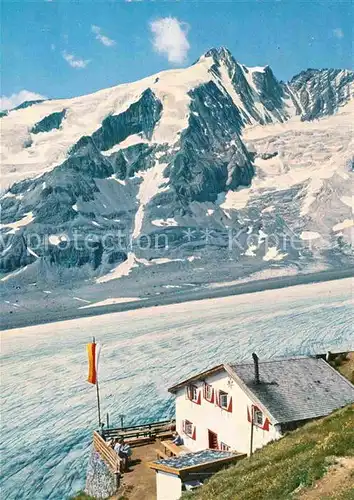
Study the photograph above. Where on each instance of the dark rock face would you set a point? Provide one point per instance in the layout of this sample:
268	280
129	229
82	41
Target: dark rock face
271	93
18	255
268	156
85	158
211	159
131	160
50	122
70	255
252	87
140	117
27	104
321	92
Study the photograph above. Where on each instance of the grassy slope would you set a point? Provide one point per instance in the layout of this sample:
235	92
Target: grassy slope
277	470
345	365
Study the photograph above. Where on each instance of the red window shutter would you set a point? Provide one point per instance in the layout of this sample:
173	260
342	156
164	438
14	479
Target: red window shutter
266	425
229	408
212	395
199	399
194	435
217	398
249	415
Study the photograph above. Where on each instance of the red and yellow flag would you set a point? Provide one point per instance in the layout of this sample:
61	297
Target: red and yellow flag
93	351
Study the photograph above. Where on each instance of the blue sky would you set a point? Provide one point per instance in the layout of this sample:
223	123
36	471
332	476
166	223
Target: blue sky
61	48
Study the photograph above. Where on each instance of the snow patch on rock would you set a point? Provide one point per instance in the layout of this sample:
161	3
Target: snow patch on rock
112	300
343	225
122	269
15	226
164	222
309	235
274	254
149	187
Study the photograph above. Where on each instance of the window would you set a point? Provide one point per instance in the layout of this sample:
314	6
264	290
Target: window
223	399
208	392
224	447
188	428
258	417
192	392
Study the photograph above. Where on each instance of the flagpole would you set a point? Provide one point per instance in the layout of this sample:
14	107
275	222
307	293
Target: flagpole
98	404
98	395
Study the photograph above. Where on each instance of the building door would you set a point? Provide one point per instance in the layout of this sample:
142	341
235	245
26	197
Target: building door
213	440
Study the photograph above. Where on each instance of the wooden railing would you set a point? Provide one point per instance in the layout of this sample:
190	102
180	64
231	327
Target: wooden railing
107	454
152	430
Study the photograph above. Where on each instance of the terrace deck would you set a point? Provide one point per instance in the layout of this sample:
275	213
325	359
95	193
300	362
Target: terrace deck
139	481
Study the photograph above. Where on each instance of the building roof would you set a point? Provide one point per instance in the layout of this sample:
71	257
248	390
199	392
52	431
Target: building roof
290	390
297	388
198	460
195	378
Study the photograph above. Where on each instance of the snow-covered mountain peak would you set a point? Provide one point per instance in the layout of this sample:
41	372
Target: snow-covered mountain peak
161	153
221	54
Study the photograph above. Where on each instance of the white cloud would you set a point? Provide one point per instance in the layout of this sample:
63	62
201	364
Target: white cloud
170	38
15	99
338	33
108	42
74	61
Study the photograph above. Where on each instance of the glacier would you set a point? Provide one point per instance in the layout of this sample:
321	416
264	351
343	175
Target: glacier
49	410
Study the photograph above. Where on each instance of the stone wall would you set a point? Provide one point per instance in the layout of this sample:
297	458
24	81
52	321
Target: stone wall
100	481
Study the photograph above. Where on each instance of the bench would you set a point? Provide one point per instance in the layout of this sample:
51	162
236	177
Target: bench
164	435
173	449
160	454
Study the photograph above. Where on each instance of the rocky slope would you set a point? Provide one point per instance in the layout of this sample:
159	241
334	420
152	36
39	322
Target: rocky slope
213	158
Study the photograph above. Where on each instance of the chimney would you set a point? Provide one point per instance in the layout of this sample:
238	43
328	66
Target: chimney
256	368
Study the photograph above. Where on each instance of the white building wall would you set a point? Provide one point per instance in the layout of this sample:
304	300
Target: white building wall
168	486
232	428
